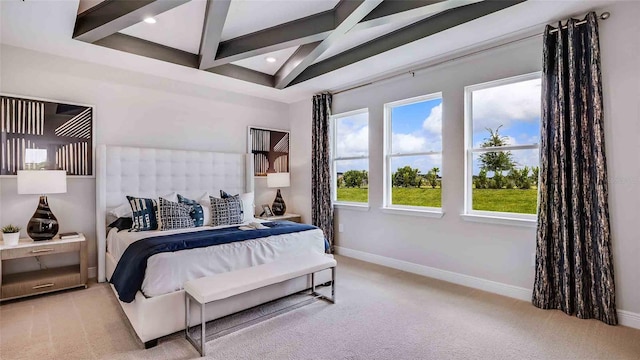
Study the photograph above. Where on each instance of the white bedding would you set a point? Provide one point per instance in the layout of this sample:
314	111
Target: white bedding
167	272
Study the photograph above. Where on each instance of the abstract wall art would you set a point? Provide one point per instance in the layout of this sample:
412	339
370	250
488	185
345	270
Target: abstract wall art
270	149
42	134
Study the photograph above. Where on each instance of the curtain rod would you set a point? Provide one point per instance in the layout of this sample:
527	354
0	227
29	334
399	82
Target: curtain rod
604	16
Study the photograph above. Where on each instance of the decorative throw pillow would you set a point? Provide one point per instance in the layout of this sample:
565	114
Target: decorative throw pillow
197	213
122	223
173	215
226	211
248	206
144	213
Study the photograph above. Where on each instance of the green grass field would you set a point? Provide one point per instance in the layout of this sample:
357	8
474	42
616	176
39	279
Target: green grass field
502	200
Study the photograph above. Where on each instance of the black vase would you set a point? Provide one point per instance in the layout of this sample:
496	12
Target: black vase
43	224
278	207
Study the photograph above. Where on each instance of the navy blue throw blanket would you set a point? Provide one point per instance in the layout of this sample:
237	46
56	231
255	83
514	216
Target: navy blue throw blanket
129	273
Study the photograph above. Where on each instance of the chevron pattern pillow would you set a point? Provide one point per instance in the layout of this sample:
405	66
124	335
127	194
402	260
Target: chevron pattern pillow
197	213
144	213
173	215
226	211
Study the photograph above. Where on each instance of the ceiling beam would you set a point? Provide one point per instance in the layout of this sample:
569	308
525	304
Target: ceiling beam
215	16
347	14
391	11
242	73
294	33
317	27
111	16
421	29
148	49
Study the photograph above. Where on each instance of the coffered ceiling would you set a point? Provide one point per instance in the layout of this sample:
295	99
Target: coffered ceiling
271	43
406	35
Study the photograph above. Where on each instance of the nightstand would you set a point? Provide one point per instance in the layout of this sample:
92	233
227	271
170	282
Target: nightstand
17	285
288	216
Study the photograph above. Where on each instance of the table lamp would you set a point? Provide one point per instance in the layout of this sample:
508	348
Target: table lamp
278	180
43	224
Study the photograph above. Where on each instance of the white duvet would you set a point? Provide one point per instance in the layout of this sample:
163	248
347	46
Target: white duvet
167	272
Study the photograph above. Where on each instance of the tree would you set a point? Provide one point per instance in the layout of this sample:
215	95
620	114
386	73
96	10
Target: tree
432	177
496	161
340	182
354	178
481	180
520	178
406	177
535	175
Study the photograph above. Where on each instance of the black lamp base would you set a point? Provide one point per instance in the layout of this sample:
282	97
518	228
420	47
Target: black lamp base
43	224
278	207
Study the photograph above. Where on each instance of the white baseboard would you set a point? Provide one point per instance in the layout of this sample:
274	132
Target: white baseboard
449	276
628	318
92	272
625	318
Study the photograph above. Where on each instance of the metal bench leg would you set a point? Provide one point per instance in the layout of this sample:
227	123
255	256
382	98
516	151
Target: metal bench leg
200	347
333	284
331	299
203	327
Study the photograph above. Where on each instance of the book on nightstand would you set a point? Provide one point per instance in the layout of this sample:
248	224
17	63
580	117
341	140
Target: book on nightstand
69	235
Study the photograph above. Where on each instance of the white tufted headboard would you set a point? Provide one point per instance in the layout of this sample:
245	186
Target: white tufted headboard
148	172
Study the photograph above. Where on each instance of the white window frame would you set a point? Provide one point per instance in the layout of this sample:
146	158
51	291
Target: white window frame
388	206
496	217
335	159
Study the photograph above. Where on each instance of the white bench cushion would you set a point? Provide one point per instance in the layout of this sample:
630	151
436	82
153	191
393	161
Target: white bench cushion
224	285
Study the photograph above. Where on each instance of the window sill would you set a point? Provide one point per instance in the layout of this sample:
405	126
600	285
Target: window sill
500	220
351	206
437	214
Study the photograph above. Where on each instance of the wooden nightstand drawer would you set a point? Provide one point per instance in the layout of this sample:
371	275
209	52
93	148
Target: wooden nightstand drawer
40	249
41	281
17	285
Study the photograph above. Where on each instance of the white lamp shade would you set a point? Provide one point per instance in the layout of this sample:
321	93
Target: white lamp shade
42	182
278	180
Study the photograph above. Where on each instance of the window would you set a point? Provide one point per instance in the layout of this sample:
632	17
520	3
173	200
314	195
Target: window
413	153
350	157
502	135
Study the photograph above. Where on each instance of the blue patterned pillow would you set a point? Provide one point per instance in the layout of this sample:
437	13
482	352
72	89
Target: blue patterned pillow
226	211
173	215
144	213
197	213
226	195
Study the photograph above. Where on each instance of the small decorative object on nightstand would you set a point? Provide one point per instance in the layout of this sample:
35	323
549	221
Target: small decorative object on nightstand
45	280
10	235
43	224
278	180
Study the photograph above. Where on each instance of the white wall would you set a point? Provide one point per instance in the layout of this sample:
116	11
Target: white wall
493	252
131	109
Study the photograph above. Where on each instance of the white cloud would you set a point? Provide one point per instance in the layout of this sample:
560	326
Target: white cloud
407	143
433	122
505	104
352	136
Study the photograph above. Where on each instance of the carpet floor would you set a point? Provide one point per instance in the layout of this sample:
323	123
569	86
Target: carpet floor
381	313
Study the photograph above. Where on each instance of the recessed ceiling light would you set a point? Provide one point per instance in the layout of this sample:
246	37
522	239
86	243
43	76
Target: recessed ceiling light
271	59
150	20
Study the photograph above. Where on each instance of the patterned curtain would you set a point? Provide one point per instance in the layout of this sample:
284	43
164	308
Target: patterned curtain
574	267
322	210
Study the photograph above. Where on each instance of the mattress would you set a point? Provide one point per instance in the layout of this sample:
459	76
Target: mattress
167	272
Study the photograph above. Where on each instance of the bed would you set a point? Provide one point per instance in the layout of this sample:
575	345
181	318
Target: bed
158	307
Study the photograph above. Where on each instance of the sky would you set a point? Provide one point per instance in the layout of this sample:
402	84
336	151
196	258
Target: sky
417	127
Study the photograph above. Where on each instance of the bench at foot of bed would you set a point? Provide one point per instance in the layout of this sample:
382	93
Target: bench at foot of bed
221	286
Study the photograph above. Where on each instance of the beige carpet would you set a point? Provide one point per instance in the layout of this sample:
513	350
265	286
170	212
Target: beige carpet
381	314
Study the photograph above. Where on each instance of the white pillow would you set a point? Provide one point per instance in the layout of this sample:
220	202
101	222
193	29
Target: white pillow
206	208
123	210
248	207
